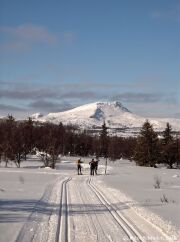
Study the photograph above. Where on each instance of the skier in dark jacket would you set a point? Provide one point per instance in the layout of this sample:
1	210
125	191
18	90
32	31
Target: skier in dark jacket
92	167
79	166
96	165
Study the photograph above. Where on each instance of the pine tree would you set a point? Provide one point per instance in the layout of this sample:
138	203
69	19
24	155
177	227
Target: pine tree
169	147
146	151
104	143
167	134
113	151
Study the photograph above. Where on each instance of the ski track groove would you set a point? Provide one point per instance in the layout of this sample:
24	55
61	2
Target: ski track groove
103	232
91	218
35	228
62	234
95	220
128	229
147	233
87	229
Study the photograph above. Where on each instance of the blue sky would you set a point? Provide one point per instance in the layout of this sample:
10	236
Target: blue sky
55	55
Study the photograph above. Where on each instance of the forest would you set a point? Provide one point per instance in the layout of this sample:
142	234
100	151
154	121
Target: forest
20	138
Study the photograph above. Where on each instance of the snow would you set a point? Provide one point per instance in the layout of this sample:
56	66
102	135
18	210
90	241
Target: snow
36	115
116	116
138	185
22	190
35	201
176	176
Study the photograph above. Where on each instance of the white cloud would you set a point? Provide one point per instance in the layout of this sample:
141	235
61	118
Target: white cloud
22	37
31	33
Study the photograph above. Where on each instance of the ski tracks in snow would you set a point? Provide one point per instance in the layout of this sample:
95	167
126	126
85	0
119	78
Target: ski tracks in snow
131	232
48	219
77	210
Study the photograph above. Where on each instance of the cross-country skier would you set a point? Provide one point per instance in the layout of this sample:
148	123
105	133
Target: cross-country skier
92	167
96	165
78	162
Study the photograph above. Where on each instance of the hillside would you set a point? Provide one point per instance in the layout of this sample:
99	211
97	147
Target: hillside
117	117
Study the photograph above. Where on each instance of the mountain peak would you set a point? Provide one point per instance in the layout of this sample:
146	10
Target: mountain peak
106	110
92	116
114	104
36	116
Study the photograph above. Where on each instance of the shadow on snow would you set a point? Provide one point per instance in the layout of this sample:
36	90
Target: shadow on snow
23	210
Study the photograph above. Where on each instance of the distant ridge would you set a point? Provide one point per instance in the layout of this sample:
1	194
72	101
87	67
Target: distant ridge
117	117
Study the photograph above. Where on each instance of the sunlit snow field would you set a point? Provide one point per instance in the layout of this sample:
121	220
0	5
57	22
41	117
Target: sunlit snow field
21	189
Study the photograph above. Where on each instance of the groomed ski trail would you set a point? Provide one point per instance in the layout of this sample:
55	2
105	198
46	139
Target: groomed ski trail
94	216
76	209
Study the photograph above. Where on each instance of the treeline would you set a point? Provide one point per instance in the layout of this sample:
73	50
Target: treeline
19	138
151	150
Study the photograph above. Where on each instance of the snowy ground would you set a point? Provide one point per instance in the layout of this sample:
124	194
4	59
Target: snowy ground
41	204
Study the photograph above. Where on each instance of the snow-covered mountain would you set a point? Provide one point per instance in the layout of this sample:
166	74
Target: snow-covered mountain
117	117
